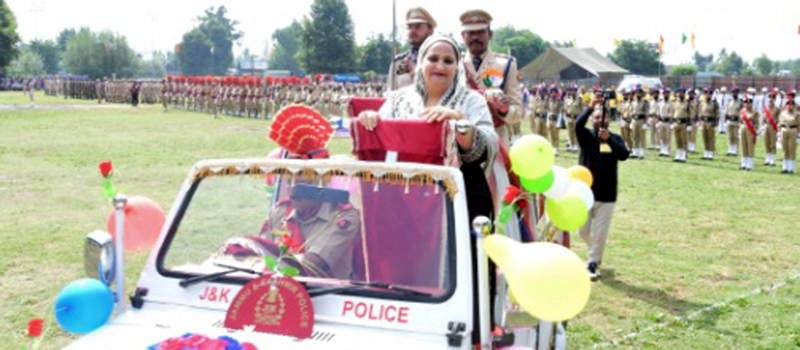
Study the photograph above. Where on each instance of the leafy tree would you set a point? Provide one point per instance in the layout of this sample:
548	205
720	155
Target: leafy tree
8	35
702	62
556	43
287	44
638	56
100	55
195	54
28	64
728	63
327	40
64	36
213	40
49	52
376	54
747	70
525	45
763	65
683	70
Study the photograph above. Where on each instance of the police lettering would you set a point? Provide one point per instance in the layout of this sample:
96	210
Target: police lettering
386	313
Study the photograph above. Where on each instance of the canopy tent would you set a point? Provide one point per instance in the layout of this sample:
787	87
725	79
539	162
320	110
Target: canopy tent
567	63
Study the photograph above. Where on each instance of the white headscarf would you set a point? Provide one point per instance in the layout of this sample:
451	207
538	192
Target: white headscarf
458	87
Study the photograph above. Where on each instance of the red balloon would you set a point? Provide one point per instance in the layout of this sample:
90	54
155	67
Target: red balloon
143	222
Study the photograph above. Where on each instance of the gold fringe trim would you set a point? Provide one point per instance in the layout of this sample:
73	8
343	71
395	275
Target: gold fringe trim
309	174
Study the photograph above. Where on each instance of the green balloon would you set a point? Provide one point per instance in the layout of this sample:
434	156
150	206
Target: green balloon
531	156
539	185
568	213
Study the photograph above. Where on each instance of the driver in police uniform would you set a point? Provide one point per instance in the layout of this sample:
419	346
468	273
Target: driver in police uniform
317	223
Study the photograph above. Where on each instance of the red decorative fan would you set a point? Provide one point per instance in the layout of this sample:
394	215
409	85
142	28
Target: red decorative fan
300	129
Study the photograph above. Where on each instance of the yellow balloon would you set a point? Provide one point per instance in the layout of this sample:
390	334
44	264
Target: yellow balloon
547	280
579	172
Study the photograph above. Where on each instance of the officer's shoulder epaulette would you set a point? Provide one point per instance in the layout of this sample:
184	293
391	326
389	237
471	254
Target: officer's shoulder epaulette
402	55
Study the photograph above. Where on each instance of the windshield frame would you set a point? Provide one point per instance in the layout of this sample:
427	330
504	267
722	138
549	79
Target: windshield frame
450	259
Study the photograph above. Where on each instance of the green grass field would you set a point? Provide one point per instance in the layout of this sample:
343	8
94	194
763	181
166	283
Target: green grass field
684	237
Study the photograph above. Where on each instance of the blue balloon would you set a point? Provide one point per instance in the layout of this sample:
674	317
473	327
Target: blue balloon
84	305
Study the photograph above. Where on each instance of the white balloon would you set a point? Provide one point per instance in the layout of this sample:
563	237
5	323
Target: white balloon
584	191
560	183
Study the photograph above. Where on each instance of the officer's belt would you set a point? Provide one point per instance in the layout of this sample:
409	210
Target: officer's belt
640	117
708	119
733	119
541	115
682	120
663	119
788	126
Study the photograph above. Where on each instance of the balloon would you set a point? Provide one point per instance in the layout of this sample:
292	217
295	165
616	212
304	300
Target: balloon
584	191
548	280
531	156
538	185
568	213
578	172
143	222
84	305
560	183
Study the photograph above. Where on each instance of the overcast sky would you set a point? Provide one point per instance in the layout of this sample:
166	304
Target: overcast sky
745	26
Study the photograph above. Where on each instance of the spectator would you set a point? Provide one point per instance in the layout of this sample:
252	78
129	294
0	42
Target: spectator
600	151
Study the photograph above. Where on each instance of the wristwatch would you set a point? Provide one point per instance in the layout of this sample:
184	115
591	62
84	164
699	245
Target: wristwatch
464	126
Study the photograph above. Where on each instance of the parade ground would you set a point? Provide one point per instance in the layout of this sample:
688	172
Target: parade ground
700	255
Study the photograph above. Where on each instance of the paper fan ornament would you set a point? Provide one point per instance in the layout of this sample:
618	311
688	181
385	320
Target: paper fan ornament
300	130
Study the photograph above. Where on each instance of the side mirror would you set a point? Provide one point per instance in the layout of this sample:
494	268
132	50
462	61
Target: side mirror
98	256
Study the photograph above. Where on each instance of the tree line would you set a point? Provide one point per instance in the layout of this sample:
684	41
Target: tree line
321	42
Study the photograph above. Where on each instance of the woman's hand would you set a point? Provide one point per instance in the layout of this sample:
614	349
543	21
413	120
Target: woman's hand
439	113
369	119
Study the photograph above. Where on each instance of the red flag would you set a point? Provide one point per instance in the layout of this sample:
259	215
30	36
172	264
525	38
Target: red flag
661	45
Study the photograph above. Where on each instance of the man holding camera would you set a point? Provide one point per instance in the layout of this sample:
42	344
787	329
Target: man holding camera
601	150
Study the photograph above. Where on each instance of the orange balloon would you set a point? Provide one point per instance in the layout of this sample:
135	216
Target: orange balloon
143	222
581	173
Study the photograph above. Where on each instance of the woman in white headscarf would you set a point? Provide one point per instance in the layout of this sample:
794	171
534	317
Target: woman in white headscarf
440	93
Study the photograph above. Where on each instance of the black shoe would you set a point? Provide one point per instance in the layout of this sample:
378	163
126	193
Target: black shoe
594	271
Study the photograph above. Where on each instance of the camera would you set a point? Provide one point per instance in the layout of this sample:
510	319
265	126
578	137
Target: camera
609	95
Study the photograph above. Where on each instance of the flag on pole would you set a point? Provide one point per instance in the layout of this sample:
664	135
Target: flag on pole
617	42
178	49
694	48
683	38
661	45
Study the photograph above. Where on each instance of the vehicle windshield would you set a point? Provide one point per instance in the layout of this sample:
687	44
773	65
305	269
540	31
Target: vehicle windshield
335	228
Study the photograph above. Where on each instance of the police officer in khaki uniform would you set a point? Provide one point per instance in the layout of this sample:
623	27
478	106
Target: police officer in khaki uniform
573	105
539	112
487	70
748	131
625	118
665	112
694	122
554	107
732	110
681	110
638	110
771	128
708	110
789	121
652	118
325	222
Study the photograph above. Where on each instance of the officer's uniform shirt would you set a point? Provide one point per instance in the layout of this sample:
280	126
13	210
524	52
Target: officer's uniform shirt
572	106
680	111
733	108
490	59
330	233
707	110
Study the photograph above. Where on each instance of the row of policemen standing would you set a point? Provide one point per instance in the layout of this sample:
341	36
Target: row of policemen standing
491	73
683	116
258	98
545	108
113	91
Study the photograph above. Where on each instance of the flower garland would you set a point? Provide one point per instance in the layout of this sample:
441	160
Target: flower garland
191	341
